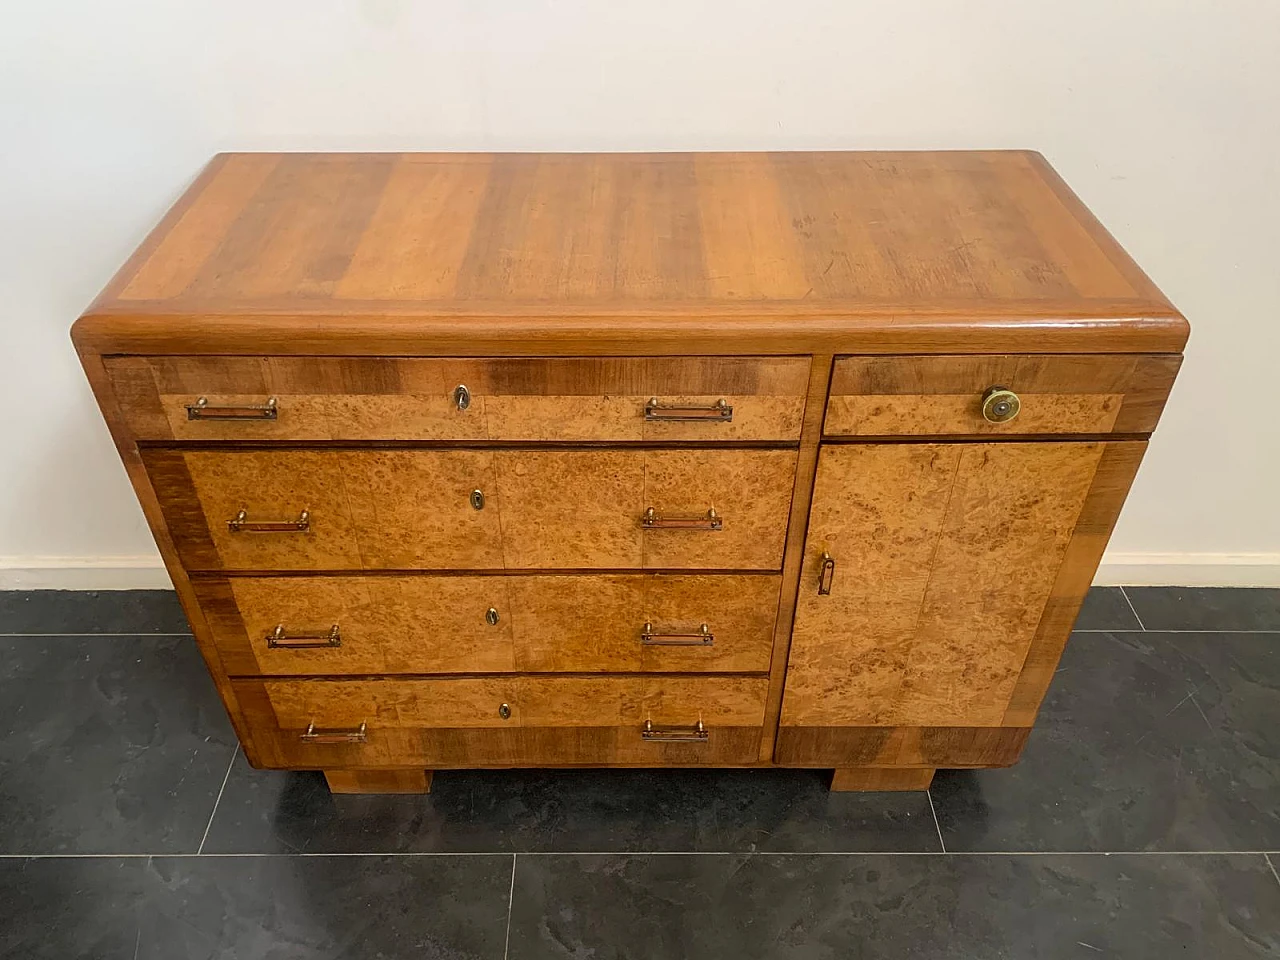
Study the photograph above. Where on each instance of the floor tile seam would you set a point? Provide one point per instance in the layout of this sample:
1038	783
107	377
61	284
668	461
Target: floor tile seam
646	853
221	790
936	824
1132	609
1271	864
511	899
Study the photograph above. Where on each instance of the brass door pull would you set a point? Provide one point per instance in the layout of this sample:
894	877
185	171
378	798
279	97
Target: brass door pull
718	412
301	641
695	734
703	638
242	524
826	574
1000	405
203	410
710	521
316	735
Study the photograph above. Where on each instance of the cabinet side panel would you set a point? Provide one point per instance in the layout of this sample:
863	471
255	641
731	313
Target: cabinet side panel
1111	482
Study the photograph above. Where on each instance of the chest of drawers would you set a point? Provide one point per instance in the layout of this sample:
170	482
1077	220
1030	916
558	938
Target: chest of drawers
631	460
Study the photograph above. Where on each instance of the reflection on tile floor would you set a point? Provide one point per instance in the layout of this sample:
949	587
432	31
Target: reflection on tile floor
1159	747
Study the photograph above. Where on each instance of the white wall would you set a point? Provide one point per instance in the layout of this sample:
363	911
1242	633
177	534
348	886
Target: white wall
1163	114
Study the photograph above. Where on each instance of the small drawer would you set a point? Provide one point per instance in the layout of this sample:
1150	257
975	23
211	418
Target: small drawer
330	510
491	624
390	398
1007	394
504	721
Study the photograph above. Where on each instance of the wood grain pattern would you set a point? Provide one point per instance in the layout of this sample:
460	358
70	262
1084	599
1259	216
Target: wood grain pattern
955	747
1111	482
589	623
945	557
378	781
387	398
879	779
935	396
432	624
411	509
793	556
456	722
457	254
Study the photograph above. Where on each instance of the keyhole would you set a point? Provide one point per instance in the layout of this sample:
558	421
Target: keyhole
504	711
491	615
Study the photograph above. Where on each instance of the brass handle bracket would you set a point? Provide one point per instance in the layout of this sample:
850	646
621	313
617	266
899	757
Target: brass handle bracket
654	521
703	638
241	523
301	641
719	412
826	574
203	410
695	734
314	734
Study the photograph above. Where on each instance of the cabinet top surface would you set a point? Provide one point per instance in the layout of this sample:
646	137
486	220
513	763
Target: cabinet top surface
837	241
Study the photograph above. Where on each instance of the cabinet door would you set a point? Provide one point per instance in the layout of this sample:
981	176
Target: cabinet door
928	571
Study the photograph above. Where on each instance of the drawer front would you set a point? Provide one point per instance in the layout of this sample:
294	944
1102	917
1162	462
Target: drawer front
388	398
941	396
504	721
288	509
483	624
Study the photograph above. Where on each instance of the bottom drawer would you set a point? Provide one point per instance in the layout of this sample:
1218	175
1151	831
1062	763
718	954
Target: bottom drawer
505	721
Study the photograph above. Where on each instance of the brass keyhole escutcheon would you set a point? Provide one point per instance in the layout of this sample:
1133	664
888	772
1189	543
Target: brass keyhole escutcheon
491	616
504	711
1000	405
461	396
477	499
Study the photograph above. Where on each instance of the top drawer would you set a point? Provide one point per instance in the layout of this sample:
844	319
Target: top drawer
1017	395
394	398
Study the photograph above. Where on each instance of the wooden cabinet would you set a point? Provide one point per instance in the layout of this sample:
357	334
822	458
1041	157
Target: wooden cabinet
631	460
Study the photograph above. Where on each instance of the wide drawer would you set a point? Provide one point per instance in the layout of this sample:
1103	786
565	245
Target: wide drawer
481	624
334	509
940	396
504	721
389	398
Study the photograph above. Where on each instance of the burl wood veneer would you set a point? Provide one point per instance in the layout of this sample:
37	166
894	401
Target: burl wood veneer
464	460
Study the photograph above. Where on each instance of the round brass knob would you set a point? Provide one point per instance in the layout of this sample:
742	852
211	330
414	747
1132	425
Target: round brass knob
1000	405
504	711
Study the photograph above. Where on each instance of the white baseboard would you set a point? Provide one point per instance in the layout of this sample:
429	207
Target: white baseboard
83	573
1189	570
1118	569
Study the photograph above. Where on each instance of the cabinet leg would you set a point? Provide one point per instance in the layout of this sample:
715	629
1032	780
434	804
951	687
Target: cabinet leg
882	778
379	781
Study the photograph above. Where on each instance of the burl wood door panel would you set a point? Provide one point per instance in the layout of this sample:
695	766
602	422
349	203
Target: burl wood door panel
939	396
945	556
423	398
574	623
504	720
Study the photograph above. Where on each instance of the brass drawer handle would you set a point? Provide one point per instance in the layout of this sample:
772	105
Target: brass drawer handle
314	735
711	521
1000	405
201	410
301	641
703	638
242	524
719	412
695	734
826	575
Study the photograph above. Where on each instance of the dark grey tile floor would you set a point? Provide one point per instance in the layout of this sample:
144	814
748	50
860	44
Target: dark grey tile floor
1138	823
